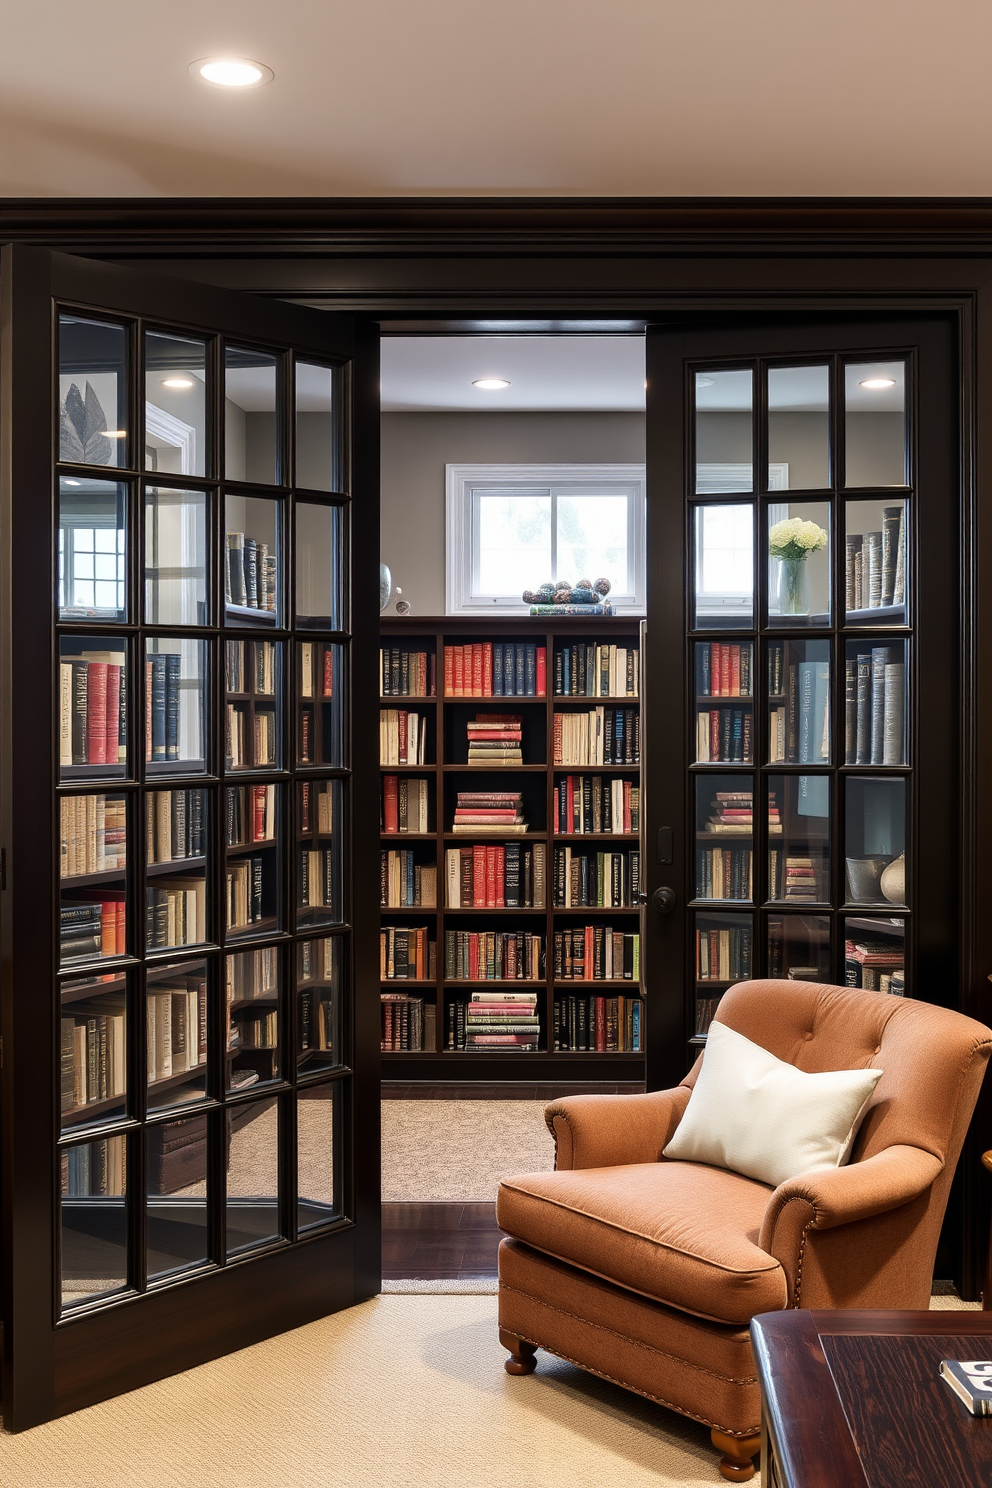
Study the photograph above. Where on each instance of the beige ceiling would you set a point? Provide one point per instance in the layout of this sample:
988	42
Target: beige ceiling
499	97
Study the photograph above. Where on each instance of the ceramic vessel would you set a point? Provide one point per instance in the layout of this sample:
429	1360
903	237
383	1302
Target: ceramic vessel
893	880
864	878
792	586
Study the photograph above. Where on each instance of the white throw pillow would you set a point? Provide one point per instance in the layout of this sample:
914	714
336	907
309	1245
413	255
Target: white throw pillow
756	1115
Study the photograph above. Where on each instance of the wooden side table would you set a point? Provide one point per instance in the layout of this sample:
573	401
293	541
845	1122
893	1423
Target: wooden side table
855	1400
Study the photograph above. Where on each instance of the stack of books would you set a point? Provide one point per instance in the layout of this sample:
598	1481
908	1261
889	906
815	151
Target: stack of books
876	965
494	739
733	812
800	878
502	1020
90	928
489	812
251	573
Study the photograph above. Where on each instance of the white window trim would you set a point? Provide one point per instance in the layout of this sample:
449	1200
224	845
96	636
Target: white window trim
718	478
460	482
160	424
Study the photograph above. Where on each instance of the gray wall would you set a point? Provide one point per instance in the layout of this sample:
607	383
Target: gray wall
417	446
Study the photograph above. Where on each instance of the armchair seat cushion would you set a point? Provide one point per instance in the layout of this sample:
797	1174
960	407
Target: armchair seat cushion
681	1233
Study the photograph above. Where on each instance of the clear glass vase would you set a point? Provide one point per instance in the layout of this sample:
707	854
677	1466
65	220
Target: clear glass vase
792	586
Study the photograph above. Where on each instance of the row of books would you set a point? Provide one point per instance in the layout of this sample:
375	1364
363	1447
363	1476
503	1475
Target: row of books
603	736
318	1022
404	804
408	1026
94	1169
251	667
316	867
723	955
723	872
876	965
316	669
406	953
176	913
176	1030
174	825
92	835
252	974
799	729
250	744
495	669
402	737
316	807
93	1065
250	814
493	955
243	884
486	812
404	673
705	1013
494	1021
490	876
596	953
723	669
584	670
92	927
252	578
317	959
596	880
495	740
724	736
875	563
163	682
93	709
590	803
875	707
405	883
255	1028
598	1025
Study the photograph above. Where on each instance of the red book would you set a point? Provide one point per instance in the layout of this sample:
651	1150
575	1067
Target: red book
473	957
556	759
449	671
479	877
477	669
570	805
715	649
487	670
714	734
148	711
96	713
113	712
490	877
510	736
542	670
108	928
258	815
626	806
724	671
600	1025
500	876
488	1040
483	817
390	803
587	954
305	736
121	927
735	671
328	672
401	729
458	671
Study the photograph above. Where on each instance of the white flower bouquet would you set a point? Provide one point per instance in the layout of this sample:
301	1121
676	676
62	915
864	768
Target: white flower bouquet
795	539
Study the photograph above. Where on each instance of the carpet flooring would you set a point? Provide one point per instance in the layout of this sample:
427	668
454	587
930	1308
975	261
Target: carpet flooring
456	1151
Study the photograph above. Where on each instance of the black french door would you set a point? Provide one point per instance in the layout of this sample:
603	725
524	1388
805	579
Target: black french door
187	669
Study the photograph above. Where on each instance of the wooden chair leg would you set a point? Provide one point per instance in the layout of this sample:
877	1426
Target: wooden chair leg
521	1360
737	1461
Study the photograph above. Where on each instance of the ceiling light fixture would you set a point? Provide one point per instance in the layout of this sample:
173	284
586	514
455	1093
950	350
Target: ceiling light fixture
231	72
874	383
703	381
177	382
114	433
491	384
69	482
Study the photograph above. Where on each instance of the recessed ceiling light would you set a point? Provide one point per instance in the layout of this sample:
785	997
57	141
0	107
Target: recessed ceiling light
177	382
114	433
877	382
71	482
703	381
491	384
231	72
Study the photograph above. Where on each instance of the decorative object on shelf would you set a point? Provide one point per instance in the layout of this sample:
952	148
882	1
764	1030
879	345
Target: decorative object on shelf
864	878
790	543
402	606
893	880
585	598
385	586
83	428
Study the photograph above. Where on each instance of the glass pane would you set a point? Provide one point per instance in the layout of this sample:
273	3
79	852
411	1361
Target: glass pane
251	423
175	557
320	855
319	567
724	732
799	837
877	452
875	560
799	563
92	392
724	566
724	827
875	841
593	540
175	827
723	947
175	671
724	436
94	1219
92	549
93	858
93	1064
799	702
175	404
512	538
176	1029
320	738
876	704
252	874
798	428
319	974
254	553
252	984
176	908
317	457
799	947
176	1214
253	679
875	955
93	694
319	1138
252	1174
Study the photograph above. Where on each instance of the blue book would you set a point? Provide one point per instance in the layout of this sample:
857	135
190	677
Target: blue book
157	665
635	1026
173	668
566	683
530	670
618	727
519	683
497	670
737	736
508	670
411	893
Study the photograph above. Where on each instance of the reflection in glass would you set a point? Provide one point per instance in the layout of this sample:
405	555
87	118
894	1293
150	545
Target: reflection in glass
799	702
875	559
320	721
93	837
875	954
799	947
252	980
175	404
723	947
799	563
724	437
724	574
319	573
316	444
319	861
176	1214
724	729
93	694
92	549
252	871
875	840
318	1154
176	909
252	1174
876	703
175	826
94	1219
319	970
799	428
93	1061
799	838
876	450
174	705
253	560
176	1026
253	681
724	827
92	392
251	425
175	557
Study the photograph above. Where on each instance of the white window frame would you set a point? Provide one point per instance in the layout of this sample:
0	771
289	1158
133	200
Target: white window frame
716	479
464	482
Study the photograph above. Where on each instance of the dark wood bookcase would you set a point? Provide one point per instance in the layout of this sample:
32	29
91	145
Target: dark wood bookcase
447	772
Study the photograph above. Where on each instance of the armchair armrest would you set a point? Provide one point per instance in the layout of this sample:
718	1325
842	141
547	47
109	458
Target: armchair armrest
606	1131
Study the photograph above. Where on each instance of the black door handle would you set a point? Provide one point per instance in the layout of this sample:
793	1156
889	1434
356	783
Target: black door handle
663	901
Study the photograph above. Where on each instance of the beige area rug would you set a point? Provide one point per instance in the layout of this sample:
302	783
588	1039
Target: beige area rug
401	1392
456	1151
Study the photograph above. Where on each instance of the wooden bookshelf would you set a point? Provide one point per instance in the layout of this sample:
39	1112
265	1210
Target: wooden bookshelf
446	772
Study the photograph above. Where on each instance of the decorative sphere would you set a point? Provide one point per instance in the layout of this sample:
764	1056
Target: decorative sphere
583	596
893	880
546	591
583	584
529	597
562	596
602	586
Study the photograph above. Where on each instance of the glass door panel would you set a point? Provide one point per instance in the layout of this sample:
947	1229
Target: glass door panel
875	840
799	838
799	428
723	554
876	703
176	557
799	947
175	404
94	358
876	451
92	549
724	404
252	421
875	561
799	566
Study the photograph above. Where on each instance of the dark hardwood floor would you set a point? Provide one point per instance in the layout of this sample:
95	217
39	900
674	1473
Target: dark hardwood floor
435	1241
